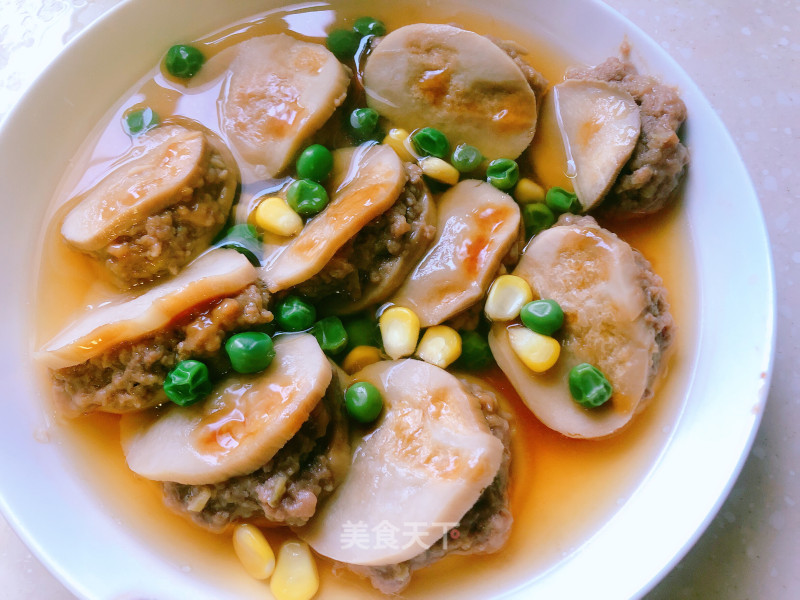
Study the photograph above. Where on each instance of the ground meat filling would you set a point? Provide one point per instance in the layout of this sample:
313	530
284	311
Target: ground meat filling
652	175
658	317
483	529
535	79
370	258
166	241
287	489
131	376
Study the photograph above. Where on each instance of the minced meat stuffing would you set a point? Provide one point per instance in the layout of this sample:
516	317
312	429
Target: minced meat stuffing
131	376
483	529
166	241
535	79
650	178
658	318
287	489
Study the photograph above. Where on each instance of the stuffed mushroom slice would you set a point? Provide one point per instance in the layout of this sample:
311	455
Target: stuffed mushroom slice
366	182
238	428
288	487
427	462
600	125
484	528
372	265
115	358
649	179
281	91
218	273
616	318
477	225
159	208
455	80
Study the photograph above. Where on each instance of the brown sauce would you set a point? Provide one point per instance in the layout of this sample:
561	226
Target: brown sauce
562	490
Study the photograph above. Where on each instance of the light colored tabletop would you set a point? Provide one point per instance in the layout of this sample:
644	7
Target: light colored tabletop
745	56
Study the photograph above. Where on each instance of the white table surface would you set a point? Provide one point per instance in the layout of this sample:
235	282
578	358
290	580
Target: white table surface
745	56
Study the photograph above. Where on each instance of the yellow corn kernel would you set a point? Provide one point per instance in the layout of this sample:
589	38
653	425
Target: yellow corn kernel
538	352
295	576
396	140
275	216
399	331
507	295
527	191
437	169
440	346
359	357
254	551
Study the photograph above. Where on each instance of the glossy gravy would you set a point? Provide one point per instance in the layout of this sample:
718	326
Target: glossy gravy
562	490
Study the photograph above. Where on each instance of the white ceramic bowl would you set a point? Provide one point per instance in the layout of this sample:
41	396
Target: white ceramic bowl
46	493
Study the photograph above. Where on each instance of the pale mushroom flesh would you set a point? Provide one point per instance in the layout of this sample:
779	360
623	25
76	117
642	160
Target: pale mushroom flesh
600	125
281	91
455	80
476	226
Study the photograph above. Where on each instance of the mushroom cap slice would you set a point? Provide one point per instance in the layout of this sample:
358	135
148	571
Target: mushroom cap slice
455	80
281	91
160	166
216	274
600	124
238	428
598	282
366	181
477	224
427	462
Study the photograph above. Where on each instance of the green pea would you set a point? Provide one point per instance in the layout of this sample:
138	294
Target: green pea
588	386
536	217
430	142
295	314
361	331
475	351
243	238
315	163
187	383
542	316
363	122
466	158
330	334
306	197
561	201
139	121
503	173
250	352
184	61
343	43
369	26
363	402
